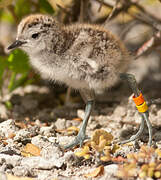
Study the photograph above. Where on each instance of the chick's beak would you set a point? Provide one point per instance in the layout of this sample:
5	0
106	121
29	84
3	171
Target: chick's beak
16	44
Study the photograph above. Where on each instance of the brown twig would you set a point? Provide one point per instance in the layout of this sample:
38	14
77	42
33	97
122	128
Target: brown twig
101	4
81	16
154	41
127	28
64	10
115	13
144	16
112	12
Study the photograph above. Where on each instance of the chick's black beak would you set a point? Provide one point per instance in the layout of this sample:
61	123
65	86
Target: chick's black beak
16	44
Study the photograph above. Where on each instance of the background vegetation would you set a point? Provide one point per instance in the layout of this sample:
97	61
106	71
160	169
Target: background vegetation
14	68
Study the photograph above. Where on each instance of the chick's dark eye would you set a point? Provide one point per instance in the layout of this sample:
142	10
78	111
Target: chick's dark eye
35	35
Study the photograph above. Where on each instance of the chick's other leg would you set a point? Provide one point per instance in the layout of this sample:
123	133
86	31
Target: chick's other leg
144	115
88	97
137	135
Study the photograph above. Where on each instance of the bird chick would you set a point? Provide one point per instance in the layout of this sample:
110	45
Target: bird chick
82	56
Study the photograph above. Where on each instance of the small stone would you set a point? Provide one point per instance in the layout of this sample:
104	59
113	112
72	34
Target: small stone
7	127
34	88
47	130
60	123
21	171
111	169
80	113
120	111
40	141
157	136
13	160
21	135
41	163
51	152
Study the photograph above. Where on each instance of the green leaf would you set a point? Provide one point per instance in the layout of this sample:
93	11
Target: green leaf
12	81
7	16
17	83
22	7
18	62
45	7
3	64
8	104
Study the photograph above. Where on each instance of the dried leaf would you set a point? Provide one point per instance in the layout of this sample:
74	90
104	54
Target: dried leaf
87	156
5	143
11	136
87	143
150	172
26	154
142	174
100	132
158	167
21	125
77	119
100	139
144	167
97	172
152	164
127	170
141	155
105	158
147	160
119	159
60	130
84	152
147	149
158	152
102	144
72	130
31	150
115	148
157	174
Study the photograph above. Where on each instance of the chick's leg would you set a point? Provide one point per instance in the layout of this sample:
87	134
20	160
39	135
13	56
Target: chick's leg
130	79
88	97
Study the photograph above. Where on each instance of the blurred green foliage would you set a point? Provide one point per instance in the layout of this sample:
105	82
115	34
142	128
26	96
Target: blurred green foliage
14	68
17	63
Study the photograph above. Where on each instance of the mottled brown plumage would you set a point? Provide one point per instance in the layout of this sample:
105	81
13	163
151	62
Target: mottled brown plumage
83	56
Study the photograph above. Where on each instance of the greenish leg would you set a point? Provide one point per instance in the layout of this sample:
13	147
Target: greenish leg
88	96
145	116
137	135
